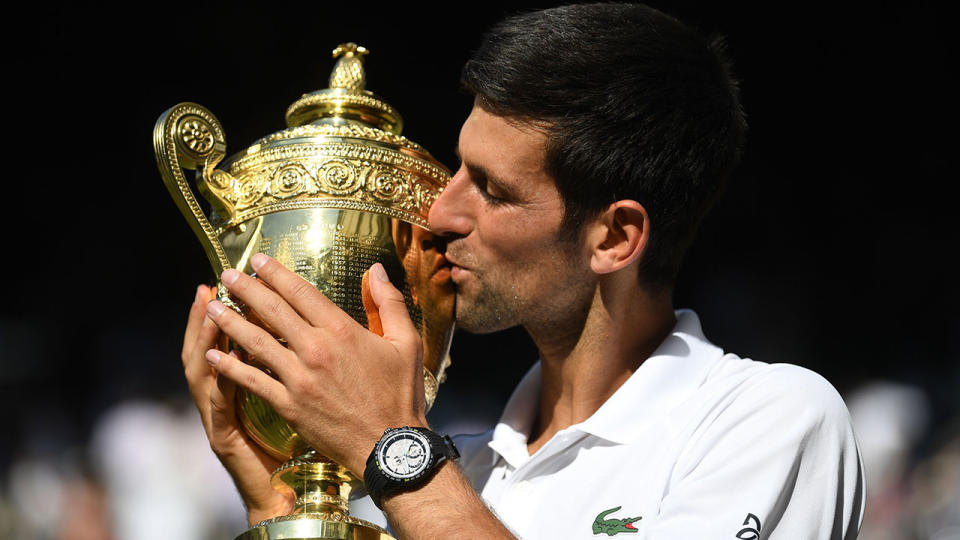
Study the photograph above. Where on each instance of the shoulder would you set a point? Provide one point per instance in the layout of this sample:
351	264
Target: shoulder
783	391
765	411
777	441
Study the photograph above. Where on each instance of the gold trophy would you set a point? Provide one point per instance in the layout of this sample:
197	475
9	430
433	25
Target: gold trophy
329	196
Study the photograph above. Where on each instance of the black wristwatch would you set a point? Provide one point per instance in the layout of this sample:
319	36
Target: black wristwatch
405	458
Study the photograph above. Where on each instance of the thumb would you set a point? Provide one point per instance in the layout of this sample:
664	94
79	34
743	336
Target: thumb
394	319
369	306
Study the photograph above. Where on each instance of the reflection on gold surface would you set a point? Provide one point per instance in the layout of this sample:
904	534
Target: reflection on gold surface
431	292
334	193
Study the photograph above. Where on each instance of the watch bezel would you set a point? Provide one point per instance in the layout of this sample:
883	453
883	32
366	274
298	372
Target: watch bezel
393	437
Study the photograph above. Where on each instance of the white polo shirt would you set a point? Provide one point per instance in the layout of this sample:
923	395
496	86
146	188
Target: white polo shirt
695	444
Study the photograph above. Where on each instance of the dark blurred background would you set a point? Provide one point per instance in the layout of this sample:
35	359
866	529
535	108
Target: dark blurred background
833	248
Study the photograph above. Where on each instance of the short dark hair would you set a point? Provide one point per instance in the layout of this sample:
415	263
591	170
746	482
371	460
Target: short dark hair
637	106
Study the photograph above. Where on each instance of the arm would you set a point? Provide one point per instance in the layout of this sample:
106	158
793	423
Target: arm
446	507
340	385
249	466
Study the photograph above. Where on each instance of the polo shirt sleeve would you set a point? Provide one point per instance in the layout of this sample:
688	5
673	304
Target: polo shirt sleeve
776	459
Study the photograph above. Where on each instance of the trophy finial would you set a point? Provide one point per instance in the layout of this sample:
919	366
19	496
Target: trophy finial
347	99
348	73
350	48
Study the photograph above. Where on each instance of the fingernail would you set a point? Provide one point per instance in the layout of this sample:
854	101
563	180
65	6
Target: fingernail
215	308
213	356
199	298
379	272
258	260
229	276
235	354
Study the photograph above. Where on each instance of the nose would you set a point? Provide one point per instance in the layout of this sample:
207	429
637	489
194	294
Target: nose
450	214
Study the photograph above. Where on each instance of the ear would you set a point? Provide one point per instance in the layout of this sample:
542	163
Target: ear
618	236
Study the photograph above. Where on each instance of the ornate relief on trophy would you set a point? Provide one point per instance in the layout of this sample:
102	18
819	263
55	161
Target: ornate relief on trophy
337	191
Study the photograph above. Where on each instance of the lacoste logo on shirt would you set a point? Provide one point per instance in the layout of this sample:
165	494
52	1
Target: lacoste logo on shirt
613	526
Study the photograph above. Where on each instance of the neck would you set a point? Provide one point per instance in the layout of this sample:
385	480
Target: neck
587	357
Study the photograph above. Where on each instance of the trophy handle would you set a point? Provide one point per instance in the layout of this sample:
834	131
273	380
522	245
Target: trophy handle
188	136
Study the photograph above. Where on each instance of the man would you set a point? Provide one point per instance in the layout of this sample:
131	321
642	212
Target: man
599	137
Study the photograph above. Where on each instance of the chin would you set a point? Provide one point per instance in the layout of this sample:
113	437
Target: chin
479	330
480	321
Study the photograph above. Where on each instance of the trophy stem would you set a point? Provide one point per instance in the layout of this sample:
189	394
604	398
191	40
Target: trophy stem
320	484
321	512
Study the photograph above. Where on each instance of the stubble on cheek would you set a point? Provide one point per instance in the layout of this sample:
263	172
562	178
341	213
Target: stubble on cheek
493	305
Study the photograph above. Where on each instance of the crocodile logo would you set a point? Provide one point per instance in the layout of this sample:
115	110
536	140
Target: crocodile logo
613	526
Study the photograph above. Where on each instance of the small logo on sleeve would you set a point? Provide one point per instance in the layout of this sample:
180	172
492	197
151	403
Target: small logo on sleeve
752	529
612	526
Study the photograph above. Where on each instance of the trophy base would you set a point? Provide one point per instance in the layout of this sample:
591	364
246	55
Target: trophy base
315	526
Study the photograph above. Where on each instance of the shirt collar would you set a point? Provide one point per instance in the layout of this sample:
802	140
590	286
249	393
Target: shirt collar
662	382
510	435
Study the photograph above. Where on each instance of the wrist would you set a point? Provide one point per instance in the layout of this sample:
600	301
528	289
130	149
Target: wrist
417	493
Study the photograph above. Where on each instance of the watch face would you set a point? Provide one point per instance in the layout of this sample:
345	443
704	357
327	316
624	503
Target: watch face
404	454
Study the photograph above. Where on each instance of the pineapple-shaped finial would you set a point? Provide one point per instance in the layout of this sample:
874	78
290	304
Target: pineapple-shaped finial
348	73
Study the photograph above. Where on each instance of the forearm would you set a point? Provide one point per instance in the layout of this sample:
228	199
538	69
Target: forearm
445	507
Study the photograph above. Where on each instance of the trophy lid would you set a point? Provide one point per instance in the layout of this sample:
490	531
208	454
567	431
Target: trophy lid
342	149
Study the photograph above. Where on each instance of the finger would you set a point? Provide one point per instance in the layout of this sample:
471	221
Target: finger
206	339
397	326
250	378
199	336
254	340
267	304
223	415
225	388
373	314
198	310
302	295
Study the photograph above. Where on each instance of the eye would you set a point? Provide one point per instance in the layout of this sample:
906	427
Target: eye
488	192
491	198
492	192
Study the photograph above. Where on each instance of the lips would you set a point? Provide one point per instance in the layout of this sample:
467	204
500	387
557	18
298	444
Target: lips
441	270
457	270
438	263
453	260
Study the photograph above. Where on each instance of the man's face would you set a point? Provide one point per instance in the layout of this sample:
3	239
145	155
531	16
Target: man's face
501	215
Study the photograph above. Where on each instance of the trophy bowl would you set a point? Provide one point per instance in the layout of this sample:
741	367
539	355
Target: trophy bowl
337	191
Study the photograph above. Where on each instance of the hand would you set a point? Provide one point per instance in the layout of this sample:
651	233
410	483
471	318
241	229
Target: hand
249	466
339	385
